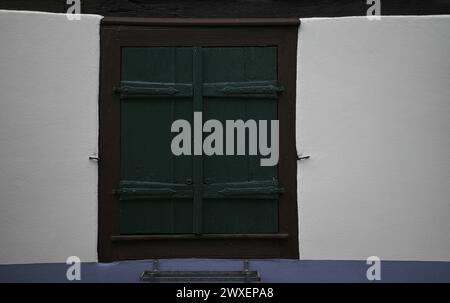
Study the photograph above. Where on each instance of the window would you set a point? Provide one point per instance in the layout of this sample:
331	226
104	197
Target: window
153	204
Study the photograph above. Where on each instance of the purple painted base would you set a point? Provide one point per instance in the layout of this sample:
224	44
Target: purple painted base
271	271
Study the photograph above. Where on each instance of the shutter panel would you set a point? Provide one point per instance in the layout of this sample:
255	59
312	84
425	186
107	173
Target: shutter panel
160	193
154	196
240	195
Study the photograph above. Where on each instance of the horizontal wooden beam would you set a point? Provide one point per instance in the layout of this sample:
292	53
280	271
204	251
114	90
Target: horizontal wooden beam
279	236
209	22
233	8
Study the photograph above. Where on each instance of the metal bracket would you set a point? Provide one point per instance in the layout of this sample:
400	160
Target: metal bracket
155	265
156	275
251	191
247	271
263	89
94	158
303	157
137	89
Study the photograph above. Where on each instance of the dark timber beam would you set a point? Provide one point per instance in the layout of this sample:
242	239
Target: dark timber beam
233	8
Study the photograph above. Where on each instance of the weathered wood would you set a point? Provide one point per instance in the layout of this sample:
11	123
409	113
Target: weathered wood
200	22
113	38
273	236
234	8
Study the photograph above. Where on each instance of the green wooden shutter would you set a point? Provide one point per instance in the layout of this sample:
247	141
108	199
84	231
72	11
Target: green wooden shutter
154	194
162	193
230	209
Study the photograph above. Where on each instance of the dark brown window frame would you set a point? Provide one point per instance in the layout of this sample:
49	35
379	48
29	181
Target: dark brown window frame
121	32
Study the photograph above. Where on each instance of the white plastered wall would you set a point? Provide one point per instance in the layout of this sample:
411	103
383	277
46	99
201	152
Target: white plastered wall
373	112
48	128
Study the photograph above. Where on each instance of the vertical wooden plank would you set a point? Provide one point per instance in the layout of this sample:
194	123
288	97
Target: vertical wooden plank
287	165
183	110
172	118
109	145
198	159
262	65
224	64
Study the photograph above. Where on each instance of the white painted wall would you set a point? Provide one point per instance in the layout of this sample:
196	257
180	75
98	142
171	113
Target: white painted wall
374	113
48	129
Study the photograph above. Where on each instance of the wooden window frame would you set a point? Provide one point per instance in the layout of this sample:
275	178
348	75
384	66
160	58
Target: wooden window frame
153	32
